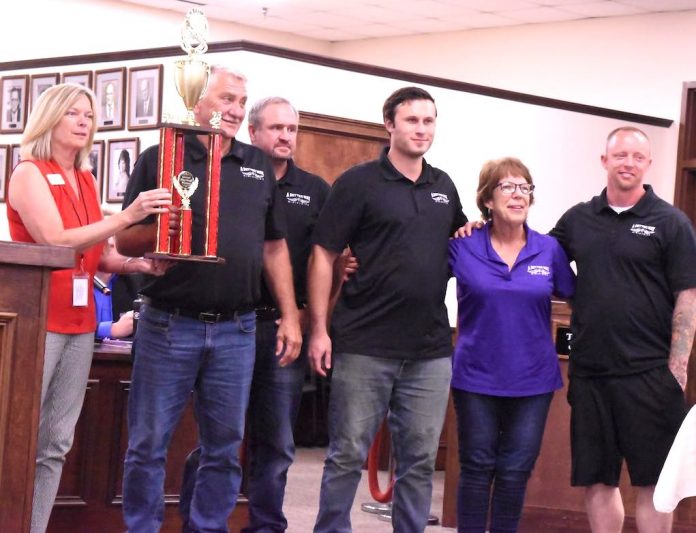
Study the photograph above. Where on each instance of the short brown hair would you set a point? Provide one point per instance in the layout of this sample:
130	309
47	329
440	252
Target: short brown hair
405	94
491	174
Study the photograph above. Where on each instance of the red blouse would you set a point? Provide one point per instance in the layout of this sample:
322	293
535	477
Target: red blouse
75	212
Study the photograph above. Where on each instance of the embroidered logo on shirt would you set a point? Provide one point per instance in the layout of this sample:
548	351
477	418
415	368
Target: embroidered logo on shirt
252	173
439	198
297	199
641	229
538	270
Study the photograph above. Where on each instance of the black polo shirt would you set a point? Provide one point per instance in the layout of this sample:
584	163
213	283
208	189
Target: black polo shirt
303	196
250	213
630	265
394	305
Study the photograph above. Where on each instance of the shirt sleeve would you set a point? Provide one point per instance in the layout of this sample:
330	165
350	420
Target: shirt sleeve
104	329
681	256
143	178
276	225
340	215
563	275
459	217
560	233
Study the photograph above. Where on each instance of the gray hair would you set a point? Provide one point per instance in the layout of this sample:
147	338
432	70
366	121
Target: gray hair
260	105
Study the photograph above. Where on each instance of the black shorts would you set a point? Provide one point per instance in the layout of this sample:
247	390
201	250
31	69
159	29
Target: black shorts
632	417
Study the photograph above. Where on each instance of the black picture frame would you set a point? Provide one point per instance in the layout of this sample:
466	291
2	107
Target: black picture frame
110	89
13	103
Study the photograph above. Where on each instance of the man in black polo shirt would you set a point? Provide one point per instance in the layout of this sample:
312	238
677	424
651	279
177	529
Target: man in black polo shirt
634	316
276	388
391	335
197	328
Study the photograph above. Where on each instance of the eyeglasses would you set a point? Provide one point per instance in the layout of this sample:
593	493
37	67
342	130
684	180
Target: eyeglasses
509	188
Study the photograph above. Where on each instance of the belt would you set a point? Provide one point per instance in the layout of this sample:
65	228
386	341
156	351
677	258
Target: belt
209	317
267	313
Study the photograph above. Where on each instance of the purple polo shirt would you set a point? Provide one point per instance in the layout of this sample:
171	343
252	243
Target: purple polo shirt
505	346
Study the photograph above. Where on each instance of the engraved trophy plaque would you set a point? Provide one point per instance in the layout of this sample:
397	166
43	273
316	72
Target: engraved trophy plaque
191	76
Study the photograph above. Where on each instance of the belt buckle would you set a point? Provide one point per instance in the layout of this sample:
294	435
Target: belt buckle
209	318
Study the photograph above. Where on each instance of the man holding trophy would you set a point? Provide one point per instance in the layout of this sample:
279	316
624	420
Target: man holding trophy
197	324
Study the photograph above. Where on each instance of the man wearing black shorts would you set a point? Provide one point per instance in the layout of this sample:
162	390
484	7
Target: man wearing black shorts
634	316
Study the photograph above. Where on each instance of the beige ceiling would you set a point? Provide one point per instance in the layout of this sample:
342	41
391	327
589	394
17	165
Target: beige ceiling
344	20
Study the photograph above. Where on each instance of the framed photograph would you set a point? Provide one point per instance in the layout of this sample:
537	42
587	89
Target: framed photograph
4	172
39	83
84	78
14	158
144	97
13	104
120	157
110	88
96	160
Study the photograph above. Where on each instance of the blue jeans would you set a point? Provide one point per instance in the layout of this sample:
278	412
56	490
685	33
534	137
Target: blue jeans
499	441
273	406
413	395
174	355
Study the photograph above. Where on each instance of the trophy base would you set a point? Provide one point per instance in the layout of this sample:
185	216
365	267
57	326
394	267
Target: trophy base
191	258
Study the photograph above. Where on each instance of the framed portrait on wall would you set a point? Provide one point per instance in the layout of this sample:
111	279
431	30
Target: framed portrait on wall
110	88
13	104
4	173
83	78
14	158
96	161
39	83
120	157
144	97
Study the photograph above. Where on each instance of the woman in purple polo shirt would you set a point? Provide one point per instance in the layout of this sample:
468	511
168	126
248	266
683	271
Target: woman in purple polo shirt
505	367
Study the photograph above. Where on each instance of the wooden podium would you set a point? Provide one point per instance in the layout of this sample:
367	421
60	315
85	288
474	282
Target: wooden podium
24	278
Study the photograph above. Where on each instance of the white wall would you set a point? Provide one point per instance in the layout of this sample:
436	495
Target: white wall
635	63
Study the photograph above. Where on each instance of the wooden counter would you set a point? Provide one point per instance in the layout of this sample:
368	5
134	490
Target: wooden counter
90	493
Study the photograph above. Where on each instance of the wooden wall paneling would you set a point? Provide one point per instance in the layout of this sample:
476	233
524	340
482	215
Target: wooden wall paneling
327	146
8	330
75	483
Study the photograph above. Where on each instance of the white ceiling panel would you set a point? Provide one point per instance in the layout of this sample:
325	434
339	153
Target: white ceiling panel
342	20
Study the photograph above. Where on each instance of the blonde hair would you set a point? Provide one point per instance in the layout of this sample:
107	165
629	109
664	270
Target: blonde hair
48	111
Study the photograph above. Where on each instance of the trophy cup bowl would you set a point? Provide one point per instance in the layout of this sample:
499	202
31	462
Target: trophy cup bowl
191	81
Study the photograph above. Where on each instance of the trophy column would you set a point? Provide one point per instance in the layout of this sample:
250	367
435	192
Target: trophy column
173	176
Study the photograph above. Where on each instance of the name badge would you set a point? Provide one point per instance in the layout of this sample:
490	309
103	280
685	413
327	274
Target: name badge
80	288
55	179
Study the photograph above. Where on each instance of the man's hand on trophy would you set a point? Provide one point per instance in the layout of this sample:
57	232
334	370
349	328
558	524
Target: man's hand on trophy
174	220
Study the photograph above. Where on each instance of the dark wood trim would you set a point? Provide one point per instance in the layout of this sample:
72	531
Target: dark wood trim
23	253
352	66
358	129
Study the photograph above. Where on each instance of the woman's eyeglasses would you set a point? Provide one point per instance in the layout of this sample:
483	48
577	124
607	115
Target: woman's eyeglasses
509	188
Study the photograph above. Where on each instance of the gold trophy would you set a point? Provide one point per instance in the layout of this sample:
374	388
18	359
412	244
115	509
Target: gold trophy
192	73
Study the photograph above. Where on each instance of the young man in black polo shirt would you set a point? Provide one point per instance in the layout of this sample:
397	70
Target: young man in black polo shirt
391	335
634	316
197	329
